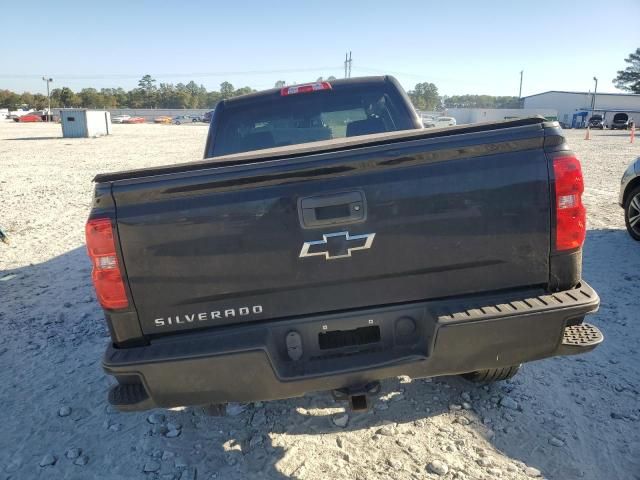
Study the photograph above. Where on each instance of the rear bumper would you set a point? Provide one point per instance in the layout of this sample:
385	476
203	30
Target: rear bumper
251	362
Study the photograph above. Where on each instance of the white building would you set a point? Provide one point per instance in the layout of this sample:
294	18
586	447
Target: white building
481	115
575	108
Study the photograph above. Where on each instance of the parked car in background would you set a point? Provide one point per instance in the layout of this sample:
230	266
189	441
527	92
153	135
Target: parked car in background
596	121
428	122
29	117
620	121
162	119
120	118
445	122
134	120
13	114
45	116
629	198
185	119
206	118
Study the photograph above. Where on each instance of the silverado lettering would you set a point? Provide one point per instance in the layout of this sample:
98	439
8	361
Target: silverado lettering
203	316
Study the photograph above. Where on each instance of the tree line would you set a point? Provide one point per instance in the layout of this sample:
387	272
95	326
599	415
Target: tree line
150	94
425	97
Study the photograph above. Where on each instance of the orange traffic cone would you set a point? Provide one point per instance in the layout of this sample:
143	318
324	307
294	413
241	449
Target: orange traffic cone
588	135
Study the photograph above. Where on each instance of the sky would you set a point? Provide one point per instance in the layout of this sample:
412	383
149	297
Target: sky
464	47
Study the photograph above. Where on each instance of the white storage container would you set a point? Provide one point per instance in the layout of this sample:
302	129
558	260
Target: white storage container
83	123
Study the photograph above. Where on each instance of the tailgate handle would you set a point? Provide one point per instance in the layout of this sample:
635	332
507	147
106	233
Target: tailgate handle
334	209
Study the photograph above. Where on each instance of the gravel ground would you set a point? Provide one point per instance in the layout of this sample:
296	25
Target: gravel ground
562	418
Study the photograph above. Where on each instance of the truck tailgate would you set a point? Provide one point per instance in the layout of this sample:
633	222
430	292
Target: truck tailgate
422	219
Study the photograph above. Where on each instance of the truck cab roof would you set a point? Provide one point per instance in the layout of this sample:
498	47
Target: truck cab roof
335	84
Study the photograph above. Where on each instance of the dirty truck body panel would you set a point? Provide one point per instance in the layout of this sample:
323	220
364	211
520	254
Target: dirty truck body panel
219	242
270	273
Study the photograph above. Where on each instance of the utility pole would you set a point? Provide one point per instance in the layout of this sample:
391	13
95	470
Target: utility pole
48	80
595	91
345	64
520	92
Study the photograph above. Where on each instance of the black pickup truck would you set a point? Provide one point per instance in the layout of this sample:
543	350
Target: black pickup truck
327	241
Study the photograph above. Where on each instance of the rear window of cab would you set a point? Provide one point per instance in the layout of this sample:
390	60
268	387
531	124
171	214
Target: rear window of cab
277	120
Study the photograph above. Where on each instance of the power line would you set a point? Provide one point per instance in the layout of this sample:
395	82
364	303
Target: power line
383	71
71	76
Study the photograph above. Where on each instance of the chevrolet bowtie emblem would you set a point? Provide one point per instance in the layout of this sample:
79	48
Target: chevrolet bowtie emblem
337	245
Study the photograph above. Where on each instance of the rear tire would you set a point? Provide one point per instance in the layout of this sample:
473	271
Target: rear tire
491	375
631	212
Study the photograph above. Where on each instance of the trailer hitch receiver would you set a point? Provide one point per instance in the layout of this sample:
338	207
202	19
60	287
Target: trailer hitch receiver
358	396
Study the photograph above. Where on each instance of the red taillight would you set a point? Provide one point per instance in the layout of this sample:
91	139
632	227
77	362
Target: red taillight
306	88
106	275
571	216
